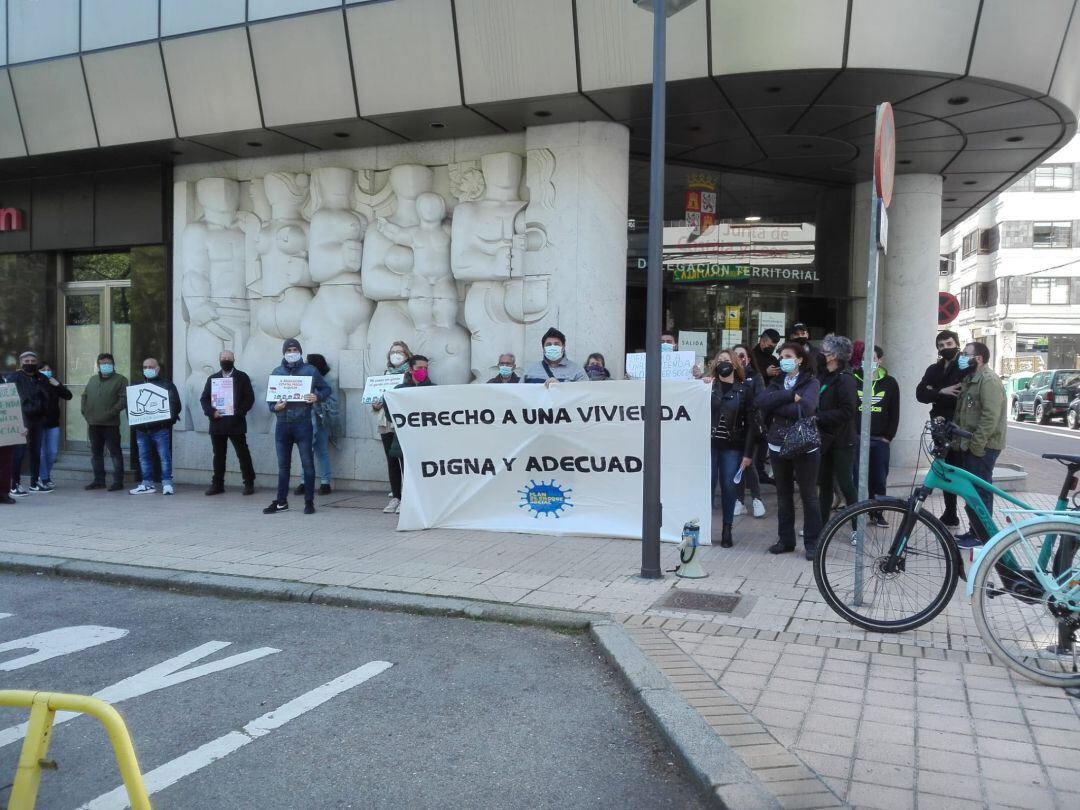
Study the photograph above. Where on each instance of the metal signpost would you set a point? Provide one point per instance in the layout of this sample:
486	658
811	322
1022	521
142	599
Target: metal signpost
880	196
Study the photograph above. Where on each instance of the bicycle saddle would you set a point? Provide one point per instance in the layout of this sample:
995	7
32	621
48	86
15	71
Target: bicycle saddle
1062	457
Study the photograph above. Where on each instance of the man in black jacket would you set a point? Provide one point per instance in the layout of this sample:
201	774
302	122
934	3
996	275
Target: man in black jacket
230	427
939	388
35	403
156	435
884	422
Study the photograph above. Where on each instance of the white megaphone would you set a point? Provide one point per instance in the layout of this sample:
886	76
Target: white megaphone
690	568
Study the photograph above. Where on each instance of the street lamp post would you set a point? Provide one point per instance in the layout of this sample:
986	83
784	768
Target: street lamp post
651	507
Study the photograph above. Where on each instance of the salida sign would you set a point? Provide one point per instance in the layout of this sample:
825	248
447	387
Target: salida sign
11	219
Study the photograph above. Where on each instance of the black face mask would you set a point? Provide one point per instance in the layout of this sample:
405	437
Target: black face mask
724	370
227	365
949	354
29	368
801	340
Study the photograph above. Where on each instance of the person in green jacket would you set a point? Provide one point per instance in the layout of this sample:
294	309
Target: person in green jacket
103	400
981	410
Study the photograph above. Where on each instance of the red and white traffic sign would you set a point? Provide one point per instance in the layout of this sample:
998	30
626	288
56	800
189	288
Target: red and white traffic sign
948	308
884	152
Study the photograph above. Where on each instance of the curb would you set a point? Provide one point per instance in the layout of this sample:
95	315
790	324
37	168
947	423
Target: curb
720	772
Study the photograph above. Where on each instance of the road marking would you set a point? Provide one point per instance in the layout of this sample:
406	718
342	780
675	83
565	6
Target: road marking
4	615
1046	430
176	769
54	643
160	676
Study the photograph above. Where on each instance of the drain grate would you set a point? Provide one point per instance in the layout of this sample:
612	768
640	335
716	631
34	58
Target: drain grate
699	601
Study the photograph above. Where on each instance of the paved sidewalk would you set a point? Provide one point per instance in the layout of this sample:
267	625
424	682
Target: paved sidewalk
825	713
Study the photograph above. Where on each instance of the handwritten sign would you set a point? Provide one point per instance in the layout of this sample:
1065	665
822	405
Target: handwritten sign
673	365
378	385
287	389
147	403
11	418
221	396
772	320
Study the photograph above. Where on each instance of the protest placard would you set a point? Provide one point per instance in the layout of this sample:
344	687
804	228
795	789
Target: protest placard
221	396
147	403
281	388
376	386
11	417
673	365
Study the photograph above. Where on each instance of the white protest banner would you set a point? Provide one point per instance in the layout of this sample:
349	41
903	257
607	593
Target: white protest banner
560	460
221	396
147	403
378	385
772	320
11	418
673	365
280	388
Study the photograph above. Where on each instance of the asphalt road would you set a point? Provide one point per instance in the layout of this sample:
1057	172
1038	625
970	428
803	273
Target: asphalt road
1039	439
458	714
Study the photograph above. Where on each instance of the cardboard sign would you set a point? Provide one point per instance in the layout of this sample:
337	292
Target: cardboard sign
673	365
221	396
696	342
772	320
147	403
376	386
11	418
280	388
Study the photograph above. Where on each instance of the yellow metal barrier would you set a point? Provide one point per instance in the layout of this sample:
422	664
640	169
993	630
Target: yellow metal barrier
43	708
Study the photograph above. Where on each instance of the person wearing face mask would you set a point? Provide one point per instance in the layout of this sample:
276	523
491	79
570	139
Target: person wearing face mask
225	428
50	435
103	400
884	422
35	401
789	398
555	367
596	367
750	475
732	433
325	416
800	333
981	410
156	437
838	403
294	427
669	343
397	362
506	370
939	388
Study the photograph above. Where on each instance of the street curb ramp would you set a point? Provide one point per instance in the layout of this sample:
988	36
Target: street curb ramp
720	772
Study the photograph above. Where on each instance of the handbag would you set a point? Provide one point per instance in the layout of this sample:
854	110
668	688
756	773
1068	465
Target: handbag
801	437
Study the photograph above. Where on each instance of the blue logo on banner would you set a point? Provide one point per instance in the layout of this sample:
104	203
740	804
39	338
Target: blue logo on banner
545	498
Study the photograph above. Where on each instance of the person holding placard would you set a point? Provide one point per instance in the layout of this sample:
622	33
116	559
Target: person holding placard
156	437
102	402
12	434
397	362
35	401
226	399
670	343
324	417
555	367
294	426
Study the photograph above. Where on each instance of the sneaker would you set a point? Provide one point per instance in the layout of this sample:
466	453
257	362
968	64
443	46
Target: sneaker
324	489
397	509
309	508
95	485
275	507
392	507
143	489
299	490
249	489
38	487
950	520
166	489
739	508
758	507
214	490
969	540
18	492
115	487
49	485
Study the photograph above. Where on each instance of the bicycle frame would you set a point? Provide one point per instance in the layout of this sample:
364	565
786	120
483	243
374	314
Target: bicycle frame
1062	586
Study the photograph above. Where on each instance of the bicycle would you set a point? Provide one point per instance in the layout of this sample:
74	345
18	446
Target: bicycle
1028	610
890	581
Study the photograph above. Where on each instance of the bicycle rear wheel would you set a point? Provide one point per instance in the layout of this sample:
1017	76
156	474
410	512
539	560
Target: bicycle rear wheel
1031	631
887	602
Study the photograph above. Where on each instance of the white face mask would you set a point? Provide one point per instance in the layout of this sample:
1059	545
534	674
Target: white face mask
293	357
397	359
553	352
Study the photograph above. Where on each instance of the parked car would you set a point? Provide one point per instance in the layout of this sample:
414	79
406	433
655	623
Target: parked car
1072	416
1047	395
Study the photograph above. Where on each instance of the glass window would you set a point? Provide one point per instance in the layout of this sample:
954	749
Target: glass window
117	22
181	16
1040	380
1050	290
1015	234
1054	177
99	267
1025	183
971	244
39	30
24	313
1052	234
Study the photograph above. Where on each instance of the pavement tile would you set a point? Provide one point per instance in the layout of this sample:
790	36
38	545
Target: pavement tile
826	743
882	773
863	794
1016	794
891	753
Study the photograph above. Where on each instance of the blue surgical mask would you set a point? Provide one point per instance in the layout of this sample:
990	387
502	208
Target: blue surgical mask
553	352
506	371
150	373
666	347
47	374
788	364
963	361
106	369
292	358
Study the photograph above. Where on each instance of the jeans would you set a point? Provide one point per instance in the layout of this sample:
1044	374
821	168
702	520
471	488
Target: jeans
220	443
288	433
725	463
393	465
983	468
803	471
32	448
836	466
322	451
149	442
50	449
954	457
102	436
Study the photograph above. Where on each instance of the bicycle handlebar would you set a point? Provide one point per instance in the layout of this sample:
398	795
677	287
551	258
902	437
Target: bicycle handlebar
944	431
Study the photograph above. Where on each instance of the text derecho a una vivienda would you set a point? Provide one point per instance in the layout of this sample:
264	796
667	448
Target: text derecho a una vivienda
592	414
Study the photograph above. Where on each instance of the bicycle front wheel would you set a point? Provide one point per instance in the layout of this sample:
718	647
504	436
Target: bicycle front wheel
1031	629
857	583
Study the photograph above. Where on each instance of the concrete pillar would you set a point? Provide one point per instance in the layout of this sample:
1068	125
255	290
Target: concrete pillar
907	294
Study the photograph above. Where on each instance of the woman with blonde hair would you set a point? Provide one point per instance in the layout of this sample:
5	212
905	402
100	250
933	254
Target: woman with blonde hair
397	362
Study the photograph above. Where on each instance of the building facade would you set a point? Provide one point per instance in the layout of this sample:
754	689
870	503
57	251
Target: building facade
182	176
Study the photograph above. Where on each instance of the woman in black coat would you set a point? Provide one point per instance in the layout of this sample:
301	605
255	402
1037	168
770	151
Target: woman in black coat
838	408
732	432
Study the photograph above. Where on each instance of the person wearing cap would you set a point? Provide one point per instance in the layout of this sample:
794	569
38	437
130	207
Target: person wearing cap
35	404
103	400
555	367
294	427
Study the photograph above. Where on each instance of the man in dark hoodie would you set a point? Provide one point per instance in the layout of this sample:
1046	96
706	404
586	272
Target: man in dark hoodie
939	388
884	422
156	436
35	403
294	427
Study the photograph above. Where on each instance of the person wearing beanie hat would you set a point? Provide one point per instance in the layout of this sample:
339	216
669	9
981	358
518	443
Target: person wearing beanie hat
35	403
837	414
294	427
555	367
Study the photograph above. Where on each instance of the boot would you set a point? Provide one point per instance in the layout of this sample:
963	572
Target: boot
725	538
